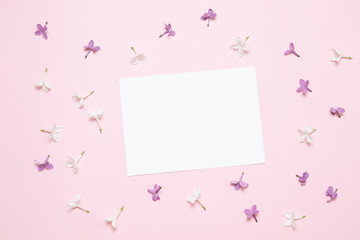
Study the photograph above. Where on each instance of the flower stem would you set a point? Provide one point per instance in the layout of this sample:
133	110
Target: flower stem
97	120
91	93
162	34
83	209
300	218
245	40
45	131
255	218
296	54
87	54
133	50
121	210
46	71
80	156
201	205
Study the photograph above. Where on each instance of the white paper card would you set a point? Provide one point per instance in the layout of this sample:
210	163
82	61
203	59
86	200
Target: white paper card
191	121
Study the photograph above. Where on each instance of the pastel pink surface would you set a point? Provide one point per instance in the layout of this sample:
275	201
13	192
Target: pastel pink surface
33	204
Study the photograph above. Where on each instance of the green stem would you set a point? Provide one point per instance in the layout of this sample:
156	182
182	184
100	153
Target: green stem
201	205
83	209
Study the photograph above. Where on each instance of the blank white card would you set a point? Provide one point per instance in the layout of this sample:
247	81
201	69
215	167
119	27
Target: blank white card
191	121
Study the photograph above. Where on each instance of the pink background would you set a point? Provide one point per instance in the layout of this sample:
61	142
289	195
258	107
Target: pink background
33	204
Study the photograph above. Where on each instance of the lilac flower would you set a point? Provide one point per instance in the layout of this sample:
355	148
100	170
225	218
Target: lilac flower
195	198
139	57
338	56
240	184
302	179
291	219
331	193
154	192
73	163
291	50
113	220
42	30
303	86
96	116
210	15
43	84
80	99
252	212
76	203
240	46
54	133
306	134
44	165
91	48
168	31
337	111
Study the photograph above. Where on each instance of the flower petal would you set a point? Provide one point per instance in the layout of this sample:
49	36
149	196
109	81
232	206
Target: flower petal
288	222
248	212
240	52
253	209
57	129
76	97
135	60
340	110
70	165
302	138
39	84
71	204
244	184
309	130
337	54
246	47
191	200
77	198
113	224
288	215
196	192
81	103
235	46
91	44
92	115
55	137
100	113
155	197
142	57
46	87
239	41
291	46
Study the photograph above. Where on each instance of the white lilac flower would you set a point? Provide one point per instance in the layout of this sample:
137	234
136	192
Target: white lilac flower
97	116
54	133
240	46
